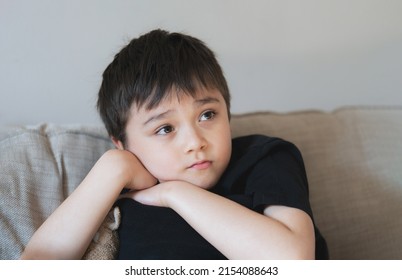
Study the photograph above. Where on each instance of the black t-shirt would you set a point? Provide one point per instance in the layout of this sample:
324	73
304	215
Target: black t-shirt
262	171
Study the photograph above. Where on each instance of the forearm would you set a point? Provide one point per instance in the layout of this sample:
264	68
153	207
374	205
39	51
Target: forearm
67	233
237	232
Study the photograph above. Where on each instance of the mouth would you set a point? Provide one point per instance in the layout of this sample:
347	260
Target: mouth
201	165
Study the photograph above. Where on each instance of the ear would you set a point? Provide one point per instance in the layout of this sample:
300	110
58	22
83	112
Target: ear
117	143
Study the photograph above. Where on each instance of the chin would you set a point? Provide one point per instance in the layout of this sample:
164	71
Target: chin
201	183
206	184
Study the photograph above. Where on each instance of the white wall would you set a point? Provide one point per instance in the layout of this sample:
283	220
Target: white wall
277	55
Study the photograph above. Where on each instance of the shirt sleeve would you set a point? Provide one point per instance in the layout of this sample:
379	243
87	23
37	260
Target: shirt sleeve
279	178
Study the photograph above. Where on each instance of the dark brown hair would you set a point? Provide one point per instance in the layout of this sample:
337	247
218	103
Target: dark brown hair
146	70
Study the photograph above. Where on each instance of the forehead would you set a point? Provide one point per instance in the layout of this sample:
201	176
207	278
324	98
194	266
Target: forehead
176	97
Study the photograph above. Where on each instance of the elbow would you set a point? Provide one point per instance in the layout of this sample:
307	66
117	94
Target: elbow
302	255
296	249
26	255
301	251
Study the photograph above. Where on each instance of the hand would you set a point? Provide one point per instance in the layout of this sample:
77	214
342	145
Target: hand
156	195
129	169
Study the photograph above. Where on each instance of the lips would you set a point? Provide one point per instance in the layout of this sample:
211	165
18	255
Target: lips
201	165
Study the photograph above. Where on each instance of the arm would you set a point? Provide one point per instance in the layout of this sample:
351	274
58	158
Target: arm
237	232
67	233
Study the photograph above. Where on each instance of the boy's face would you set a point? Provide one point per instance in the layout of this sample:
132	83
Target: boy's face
186	139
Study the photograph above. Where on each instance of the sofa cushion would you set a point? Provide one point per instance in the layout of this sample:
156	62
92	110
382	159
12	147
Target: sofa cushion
39	167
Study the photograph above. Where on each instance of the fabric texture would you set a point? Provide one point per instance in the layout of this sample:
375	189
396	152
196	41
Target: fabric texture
105	244
352	156
39	167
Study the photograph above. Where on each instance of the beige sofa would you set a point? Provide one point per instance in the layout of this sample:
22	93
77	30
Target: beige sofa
353	158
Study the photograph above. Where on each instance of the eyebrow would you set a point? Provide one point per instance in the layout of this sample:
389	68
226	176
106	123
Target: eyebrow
206	100
197	103
157	117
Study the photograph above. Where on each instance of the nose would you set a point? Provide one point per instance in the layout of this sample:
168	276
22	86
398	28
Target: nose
194	140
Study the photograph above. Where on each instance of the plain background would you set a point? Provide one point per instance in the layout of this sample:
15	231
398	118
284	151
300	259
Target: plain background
277	55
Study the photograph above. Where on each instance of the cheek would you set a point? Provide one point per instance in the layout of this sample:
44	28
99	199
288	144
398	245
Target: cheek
158	159
159	165
226	141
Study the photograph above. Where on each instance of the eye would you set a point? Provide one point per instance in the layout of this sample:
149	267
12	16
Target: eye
208	115
164	130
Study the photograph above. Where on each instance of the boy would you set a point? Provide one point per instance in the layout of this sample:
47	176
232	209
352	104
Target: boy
194	193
